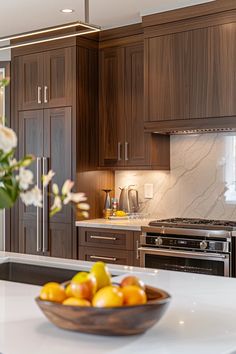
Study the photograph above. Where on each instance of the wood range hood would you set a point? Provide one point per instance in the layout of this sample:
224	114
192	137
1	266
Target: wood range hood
192	126
189	69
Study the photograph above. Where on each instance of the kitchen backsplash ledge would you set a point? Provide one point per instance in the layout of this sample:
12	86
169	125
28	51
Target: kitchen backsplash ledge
201	182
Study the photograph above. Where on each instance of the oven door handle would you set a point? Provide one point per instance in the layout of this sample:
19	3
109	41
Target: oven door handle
174	253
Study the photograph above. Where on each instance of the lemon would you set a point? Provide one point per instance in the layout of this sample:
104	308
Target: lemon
121	213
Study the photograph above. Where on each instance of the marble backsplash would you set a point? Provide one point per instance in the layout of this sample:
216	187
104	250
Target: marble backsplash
201	182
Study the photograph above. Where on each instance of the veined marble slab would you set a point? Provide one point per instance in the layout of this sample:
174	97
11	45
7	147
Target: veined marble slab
201	182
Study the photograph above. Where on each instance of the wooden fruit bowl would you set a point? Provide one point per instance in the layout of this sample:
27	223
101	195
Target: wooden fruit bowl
113	321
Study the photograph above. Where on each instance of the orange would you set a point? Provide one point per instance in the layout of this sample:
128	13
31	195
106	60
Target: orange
134	295
74	301
69	291
52	292
109	296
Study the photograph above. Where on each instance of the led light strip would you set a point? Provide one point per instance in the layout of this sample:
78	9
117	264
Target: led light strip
93	29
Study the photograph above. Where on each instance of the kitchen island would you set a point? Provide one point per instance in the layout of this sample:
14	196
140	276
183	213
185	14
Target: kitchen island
201	317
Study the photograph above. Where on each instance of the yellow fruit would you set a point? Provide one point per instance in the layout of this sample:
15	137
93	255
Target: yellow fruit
68	291
134	295
74	301
53	292
121	213
84	285
110	296
103	277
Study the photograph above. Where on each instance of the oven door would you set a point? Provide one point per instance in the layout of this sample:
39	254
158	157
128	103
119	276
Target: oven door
185	261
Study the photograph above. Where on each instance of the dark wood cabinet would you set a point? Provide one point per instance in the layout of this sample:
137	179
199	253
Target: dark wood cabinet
108	245
45	79
213	85
112	123
30	91
168	77
46	134
123	143
190	74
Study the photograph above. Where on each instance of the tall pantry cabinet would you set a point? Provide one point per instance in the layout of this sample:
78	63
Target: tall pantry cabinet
48	84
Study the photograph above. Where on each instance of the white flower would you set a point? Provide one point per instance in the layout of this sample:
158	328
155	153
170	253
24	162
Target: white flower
75	198
57	204
83	206
8	139
47	178
13	162
67	186
32	197
25	178
55	189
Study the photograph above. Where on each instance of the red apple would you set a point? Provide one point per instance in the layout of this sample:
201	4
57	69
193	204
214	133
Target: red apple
84	286
132	280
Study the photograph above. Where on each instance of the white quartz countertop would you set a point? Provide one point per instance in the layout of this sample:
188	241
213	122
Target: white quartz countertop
201	318
130	224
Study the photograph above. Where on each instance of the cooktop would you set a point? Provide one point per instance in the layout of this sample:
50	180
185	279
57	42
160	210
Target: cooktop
195	223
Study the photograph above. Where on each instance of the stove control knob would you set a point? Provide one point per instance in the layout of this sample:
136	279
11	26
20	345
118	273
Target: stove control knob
158	241
203	245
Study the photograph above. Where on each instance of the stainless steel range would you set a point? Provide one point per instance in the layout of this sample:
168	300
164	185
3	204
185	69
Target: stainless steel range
189	245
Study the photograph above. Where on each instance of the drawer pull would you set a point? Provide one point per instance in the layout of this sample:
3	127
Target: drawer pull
104	258
103	238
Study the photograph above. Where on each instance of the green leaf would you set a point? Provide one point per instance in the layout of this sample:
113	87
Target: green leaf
5	199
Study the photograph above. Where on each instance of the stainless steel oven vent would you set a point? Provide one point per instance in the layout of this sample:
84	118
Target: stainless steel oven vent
197	131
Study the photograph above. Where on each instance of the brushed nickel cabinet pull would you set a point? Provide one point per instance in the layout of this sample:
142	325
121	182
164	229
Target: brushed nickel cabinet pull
39	95
103	238
45	94
126	151
104	258
119	151
38	233
137	249
45	211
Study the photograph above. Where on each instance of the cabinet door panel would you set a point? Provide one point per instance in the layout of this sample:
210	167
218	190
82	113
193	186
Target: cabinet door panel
213	88
57	149
30	81
60	240
58	69
30	142
136	140
167	70
111	107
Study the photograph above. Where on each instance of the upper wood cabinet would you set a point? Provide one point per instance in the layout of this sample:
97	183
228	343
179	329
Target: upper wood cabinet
123	143
111	107
167	77
190	71
45	79
213	83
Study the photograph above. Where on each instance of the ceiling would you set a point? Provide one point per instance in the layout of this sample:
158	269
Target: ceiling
24	15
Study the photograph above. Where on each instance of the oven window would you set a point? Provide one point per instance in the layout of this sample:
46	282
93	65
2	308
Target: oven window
200	266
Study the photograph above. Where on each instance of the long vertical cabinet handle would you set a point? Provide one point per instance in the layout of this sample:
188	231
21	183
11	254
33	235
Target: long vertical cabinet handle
39	94
126	151
45	94
119	151
38	210
45	208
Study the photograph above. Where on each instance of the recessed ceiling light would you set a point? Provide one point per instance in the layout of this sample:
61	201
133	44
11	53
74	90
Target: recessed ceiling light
67	11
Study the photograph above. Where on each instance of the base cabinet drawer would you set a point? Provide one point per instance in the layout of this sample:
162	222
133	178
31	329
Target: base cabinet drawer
117	239
92	254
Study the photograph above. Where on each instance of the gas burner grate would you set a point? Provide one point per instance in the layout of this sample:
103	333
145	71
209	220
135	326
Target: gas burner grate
193	221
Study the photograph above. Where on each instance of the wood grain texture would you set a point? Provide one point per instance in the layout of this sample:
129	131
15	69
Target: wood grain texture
108	255
213	84
167	77
115	239
127	320
111	107
189	12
